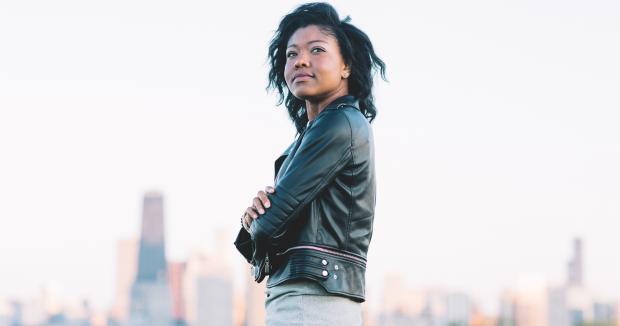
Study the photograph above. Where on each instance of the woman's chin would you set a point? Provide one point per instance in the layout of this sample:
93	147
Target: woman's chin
304	94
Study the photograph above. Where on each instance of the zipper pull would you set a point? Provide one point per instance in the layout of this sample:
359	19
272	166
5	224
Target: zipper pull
267	265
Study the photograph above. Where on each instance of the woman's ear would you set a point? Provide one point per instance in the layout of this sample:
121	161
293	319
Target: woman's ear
346	72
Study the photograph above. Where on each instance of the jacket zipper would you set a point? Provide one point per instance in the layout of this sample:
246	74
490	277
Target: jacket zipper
267	266
359	260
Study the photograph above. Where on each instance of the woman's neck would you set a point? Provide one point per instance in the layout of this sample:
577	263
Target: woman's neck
313	108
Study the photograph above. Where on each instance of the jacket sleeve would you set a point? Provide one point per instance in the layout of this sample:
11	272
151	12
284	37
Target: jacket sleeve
323	152
245	245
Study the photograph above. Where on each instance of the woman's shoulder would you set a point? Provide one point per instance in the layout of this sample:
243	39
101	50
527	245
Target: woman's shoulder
342	114
344	125
331	123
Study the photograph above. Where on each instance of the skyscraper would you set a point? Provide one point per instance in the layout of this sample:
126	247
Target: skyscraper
126	264
150	294
176	271
208	290
575	265
214	299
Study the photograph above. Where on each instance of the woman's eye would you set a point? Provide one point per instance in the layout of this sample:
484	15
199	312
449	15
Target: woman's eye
290	54
315	50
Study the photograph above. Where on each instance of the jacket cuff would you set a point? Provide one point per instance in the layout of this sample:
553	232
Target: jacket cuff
245	245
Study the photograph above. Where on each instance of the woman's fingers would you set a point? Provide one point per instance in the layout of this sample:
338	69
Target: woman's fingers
258	205
251	212
264	200
247	221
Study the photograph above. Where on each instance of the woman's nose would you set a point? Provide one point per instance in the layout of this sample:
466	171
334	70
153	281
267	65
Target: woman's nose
302	60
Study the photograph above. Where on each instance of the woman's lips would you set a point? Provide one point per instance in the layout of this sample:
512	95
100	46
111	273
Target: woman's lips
302	78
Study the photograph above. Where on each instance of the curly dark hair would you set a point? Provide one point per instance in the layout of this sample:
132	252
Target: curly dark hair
355	48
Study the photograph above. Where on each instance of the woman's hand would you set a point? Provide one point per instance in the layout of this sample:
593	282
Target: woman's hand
259	204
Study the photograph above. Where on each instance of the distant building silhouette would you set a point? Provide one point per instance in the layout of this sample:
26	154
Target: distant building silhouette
208	286
126	263
571	304
525	305
215	299
575	265
176	275
150	294
402	305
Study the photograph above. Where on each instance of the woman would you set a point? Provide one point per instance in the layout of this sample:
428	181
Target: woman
310	233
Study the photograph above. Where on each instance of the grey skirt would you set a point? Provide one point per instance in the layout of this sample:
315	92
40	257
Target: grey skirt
305	303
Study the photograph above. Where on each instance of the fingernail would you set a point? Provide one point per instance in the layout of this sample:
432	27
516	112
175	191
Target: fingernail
262	211
267	205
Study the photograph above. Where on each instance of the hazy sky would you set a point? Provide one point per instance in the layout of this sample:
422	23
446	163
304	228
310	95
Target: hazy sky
497	137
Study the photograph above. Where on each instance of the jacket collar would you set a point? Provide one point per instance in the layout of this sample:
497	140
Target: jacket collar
349	100
346	99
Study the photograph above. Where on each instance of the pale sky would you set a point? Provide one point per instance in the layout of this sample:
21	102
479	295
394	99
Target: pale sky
496	139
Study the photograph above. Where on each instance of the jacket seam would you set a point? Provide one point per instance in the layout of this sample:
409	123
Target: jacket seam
347	237
314	207
329	248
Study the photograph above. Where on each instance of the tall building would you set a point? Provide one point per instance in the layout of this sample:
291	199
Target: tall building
526	304
603	313
458	308
176	271
208	291
575	265
6	313
558	306
507	309
126	263
402	305
150	294
197	265
215	301
578	299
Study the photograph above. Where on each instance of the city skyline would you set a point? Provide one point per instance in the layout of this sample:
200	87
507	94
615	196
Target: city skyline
203	291
496	138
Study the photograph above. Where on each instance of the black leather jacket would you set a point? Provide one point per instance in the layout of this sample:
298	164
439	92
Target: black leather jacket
320	221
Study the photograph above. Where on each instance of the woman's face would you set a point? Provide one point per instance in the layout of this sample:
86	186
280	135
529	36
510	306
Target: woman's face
314	67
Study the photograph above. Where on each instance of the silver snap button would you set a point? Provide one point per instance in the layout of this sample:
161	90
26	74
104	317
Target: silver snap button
324	262
335	277
336	267
325	273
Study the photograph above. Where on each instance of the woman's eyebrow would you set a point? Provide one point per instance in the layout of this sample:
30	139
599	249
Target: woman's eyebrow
295	45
